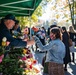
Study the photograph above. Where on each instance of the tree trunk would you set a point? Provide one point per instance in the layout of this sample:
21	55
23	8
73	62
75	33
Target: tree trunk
72	7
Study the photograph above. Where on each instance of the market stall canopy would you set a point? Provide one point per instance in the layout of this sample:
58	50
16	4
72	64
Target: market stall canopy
18	7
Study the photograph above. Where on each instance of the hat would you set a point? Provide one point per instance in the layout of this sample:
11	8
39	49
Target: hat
11	17
17	22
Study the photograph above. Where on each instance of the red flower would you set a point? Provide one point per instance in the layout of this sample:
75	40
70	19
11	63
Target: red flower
35	61
30	66
23	58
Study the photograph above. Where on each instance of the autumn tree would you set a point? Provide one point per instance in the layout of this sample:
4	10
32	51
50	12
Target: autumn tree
72	6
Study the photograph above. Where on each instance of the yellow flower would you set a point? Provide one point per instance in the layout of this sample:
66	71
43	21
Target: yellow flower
24	51
31	59
14	36
4	41
27	71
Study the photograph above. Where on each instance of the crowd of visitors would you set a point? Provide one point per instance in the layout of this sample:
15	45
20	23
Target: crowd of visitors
57	47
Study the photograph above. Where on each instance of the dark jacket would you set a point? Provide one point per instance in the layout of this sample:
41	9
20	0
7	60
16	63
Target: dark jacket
65	40
73	36
4	32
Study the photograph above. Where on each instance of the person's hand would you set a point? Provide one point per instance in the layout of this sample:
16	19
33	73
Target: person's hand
35	38
30	42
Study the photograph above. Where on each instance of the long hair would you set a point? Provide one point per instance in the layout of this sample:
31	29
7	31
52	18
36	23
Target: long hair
64	28
71	29
57	32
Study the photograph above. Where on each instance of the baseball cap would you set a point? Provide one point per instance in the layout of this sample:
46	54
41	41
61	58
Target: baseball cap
11	17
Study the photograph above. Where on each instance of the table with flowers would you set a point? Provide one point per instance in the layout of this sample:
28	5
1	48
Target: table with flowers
18	61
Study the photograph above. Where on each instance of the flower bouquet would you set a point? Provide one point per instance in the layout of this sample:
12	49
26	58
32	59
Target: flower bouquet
30	65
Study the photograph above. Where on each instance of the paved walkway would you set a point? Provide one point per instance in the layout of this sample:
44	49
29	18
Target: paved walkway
71	66
71	69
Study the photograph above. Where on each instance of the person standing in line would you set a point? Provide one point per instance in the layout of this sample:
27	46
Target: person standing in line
72	35
55	52
65	39
41	35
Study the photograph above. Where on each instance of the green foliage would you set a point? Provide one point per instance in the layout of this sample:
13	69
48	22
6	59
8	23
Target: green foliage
10	64
15	53
25	21
1	50
38	11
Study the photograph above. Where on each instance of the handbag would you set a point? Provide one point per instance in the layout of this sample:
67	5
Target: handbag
70	42
72	48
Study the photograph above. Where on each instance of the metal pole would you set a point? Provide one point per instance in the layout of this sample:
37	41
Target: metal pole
30	25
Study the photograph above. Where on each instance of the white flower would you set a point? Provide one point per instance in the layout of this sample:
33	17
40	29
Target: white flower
4	39
13	31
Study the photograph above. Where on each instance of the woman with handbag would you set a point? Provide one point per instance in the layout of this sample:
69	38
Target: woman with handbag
72	35
65	39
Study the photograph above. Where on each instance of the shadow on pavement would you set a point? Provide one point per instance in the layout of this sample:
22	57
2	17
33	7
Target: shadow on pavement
71	69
